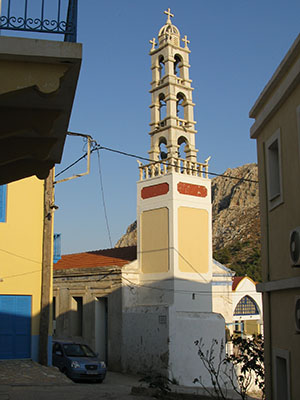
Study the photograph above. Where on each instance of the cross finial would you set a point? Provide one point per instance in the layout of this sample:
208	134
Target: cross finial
186	41
168	13
153	42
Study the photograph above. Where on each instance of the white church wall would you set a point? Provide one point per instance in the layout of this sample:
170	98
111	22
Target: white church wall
185	329
222	299
247	287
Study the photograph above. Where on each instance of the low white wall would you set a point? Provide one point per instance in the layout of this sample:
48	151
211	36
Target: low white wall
145	339
185	328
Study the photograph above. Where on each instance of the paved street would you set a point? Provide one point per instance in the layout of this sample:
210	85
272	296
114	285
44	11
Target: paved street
26	380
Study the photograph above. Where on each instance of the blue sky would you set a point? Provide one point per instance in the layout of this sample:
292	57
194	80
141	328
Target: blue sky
236	45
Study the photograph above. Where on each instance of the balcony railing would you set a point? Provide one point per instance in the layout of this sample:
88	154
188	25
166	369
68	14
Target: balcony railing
43	16
179	165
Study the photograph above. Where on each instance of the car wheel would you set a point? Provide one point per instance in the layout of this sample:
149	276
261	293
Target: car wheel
99	380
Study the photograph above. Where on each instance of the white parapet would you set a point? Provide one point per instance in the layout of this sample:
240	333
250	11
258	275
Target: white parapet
179	165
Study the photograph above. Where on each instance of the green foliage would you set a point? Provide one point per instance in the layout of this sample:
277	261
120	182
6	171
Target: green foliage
241	258
249	356
223	255
248	360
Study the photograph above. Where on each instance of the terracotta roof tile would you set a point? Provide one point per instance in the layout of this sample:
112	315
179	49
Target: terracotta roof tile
236	280
98	258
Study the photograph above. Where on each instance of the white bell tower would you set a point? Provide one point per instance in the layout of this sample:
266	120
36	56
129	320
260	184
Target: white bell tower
171	305
173	193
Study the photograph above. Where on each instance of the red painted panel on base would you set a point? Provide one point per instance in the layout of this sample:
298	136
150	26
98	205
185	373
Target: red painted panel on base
154	190
192	190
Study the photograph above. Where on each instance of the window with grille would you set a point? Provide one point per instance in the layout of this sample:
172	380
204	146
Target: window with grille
246	306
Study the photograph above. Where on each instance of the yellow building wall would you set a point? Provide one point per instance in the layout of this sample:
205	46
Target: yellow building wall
283	218
155	240
193	246
276	225
21	243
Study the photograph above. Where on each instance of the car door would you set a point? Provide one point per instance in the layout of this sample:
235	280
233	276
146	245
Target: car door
57	356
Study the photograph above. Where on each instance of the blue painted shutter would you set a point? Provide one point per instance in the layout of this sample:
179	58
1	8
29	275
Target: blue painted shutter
3	203
56	247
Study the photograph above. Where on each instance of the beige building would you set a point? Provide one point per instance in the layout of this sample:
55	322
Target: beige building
277	132
87	300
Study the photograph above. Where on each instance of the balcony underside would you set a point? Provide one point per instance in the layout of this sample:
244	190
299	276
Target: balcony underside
35	108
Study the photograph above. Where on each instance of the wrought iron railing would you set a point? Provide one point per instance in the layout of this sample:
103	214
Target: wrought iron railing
43	16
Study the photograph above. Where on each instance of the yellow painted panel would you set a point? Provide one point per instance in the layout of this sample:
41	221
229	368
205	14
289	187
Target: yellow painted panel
193	243
21	238
155	240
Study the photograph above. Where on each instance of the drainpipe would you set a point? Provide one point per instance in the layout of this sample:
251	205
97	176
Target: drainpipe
46	269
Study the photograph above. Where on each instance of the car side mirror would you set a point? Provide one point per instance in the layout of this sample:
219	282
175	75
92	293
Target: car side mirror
58	353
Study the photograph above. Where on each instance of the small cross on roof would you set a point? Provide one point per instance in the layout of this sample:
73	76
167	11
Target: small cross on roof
169	14
153	42
186	41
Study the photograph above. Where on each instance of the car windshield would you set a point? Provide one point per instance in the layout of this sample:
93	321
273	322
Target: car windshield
78	350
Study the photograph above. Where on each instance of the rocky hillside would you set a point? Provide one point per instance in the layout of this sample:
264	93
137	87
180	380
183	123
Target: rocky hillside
129	238
236	220
235	207
236	226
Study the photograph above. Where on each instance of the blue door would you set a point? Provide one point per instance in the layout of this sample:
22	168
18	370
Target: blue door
15	327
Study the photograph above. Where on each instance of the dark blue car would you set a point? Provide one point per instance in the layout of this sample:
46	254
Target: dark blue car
78	361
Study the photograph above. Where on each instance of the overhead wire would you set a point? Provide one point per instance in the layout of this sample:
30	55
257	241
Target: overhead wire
97	146
103	198
173	165
18	256
133	285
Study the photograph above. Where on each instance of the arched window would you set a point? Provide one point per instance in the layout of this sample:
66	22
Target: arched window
162	107
183	145
161	66
163	151
178	65
246	306
180	105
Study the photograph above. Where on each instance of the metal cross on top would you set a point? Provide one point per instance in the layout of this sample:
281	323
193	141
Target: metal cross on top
168	13
153	42
186	41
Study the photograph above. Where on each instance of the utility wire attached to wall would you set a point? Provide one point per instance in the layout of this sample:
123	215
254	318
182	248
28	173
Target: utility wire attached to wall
97	147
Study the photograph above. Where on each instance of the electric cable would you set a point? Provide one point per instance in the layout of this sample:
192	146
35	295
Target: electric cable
97	147
22	257
182	291
103	198
173	165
